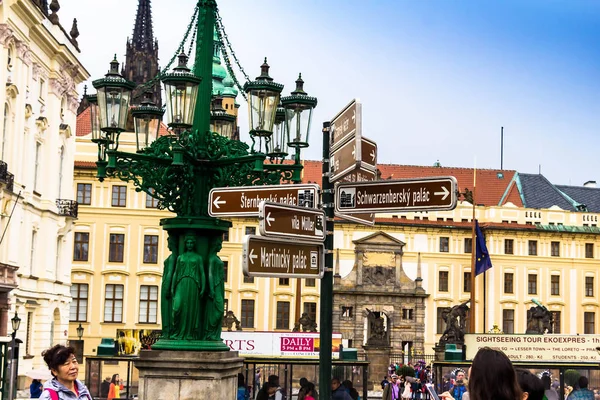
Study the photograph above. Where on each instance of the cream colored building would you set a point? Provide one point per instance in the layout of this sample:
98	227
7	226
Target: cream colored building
40	70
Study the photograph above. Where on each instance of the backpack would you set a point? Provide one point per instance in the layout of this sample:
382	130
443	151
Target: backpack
54	394
458	391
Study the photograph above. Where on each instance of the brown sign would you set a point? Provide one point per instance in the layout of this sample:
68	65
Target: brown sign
359	174
368	150
292	222
282	258
347	157
346	124
427	194
245	200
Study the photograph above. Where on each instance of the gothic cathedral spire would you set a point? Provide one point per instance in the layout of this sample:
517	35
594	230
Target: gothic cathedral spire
141	60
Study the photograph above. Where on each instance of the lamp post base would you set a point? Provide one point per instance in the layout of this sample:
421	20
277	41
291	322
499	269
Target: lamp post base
176	375
190	345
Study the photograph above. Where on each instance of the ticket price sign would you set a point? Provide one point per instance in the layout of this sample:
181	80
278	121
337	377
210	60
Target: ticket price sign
282	258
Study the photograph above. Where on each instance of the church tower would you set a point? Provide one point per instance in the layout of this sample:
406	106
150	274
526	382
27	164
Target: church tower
141	59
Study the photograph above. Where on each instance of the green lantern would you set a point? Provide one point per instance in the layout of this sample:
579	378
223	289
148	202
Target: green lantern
181	88
220	121
299	108
263	98
114	94
146	118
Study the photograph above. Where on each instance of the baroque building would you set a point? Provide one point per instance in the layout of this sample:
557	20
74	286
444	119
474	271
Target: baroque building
40	71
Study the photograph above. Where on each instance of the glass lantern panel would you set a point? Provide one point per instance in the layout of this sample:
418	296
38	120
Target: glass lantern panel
299	121
96	133
263	106
110	99
279	139
124	109
181	103
223	128
146	130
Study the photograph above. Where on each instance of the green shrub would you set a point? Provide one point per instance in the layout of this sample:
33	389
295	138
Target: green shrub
407	371
571	377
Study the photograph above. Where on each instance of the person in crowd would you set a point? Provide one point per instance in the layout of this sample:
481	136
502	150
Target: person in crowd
309	391
338	392
460	386
492	377
116	385
105	387
35	389
531	385
64	367
392	390
242	390
549	392
350	389
582	392
385	381
267	391
416	387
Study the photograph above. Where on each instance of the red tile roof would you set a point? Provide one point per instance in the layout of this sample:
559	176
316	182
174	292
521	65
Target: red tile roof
491	183
85	164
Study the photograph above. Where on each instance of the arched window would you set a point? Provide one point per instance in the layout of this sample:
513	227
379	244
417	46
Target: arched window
4	130
61	164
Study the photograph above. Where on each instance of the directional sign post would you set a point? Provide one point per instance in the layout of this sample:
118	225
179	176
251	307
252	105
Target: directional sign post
346	158
346	125
282	258
300	223
244	200
427	194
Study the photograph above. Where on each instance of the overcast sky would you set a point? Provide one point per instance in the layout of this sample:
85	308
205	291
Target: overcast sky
437	78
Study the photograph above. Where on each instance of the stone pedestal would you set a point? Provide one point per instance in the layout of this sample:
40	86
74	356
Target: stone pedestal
379	361
188	375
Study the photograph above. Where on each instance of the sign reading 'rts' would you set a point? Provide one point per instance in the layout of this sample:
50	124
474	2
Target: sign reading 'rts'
427	194
299	223
281	258
244	200
346	124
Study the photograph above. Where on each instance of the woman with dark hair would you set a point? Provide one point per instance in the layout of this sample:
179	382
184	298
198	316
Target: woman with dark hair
116	384
64	368
492	377
267	391
350	389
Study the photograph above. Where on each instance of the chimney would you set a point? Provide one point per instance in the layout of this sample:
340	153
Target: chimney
590	184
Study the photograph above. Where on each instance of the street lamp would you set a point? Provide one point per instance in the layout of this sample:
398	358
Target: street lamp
179	170
146	120
16	323
79	331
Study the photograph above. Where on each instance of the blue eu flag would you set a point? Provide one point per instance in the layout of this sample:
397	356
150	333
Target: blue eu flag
482	256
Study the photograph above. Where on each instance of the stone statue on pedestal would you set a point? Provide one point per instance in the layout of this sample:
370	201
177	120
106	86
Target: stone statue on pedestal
377	334
188	288
215	305
229	319
456	319
305	324
539	320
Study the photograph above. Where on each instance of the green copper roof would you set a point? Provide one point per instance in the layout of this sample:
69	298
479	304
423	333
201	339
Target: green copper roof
218	71
569	228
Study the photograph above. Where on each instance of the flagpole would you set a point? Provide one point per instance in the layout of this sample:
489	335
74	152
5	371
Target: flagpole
472	312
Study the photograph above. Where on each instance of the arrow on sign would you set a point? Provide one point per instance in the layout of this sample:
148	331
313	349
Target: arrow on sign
353	150
252	256
269	219
372	155
445	193
354	116
217	202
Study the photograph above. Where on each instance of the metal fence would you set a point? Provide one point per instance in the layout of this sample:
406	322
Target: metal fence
402	358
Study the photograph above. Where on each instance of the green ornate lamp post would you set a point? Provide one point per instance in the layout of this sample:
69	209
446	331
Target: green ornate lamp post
179	170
